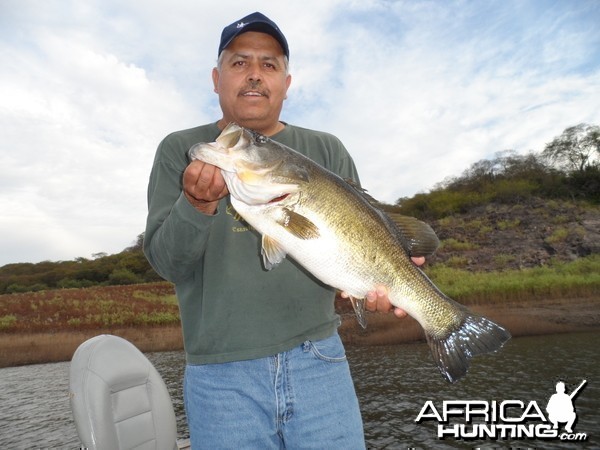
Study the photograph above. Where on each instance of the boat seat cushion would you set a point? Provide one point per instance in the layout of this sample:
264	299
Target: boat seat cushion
118	399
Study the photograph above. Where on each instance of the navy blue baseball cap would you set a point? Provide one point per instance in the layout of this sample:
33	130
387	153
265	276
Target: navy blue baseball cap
253	22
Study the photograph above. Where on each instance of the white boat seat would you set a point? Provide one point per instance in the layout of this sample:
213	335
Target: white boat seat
118	399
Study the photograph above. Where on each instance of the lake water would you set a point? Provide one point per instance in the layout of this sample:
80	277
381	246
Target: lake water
393	384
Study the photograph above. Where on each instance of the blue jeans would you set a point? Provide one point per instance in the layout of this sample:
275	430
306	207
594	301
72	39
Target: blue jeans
300	399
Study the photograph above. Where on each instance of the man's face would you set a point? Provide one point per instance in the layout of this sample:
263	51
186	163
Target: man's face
252	82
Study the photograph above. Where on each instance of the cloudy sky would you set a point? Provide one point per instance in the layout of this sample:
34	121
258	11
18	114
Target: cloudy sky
416	90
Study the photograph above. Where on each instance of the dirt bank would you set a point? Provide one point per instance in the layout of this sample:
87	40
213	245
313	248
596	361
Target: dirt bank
34	348
522	319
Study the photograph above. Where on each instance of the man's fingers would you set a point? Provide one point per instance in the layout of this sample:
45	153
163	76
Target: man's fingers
204	182
418	260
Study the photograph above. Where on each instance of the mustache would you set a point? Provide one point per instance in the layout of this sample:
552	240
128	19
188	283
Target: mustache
254	86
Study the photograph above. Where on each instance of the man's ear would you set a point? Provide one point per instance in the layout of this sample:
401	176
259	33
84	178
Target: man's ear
215	78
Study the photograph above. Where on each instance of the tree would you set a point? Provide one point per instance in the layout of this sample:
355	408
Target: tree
576	149
138	245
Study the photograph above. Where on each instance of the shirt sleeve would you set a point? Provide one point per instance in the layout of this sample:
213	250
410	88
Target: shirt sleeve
176	233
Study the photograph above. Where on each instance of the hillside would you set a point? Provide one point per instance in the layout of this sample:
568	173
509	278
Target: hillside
492	236
499	236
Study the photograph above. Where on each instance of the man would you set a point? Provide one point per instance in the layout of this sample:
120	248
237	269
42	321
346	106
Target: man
265	366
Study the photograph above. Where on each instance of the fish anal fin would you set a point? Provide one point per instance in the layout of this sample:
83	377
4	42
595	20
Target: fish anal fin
359	309
476	335
272	252
298	225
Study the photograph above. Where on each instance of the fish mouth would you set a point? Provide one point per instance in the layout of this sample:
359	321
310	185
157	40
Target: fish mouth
212	153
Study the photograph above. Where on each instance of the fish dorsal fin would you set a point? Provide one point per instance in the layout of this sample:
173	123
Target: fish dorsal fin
298	225
418	237
359	309
272	252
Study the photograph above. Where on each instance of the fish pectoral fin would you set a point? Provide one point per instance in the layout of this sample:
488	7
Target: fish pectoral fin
298	225
418	237
272	252
359	309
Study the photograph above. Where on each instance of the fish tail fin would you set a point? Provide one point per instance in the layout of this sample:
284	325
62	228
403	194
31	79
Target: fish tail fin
475	336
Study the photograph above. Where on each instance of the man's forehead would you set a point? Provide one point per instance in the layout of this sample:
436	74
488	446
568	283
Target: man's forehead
250	55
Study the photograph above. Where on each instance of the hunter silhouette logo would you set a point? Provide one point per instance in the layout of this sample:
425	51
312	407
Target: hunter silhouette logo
560	407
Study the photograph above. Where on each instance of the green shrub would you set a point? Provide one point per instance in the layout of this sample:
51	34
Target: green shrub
457	261
7	321
502	259
508	224
557	236
123	276
452	244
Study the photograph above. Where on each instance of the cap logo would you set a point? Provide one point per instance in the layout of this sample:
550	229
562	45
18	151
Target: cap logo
241	25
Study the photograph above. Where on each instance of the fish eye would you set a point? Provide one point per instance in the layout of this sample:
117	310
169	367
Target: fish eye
258	138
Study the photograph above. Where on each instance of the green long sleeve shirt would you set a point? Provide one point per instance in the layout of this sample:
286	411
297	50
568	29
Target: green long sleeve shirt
232	308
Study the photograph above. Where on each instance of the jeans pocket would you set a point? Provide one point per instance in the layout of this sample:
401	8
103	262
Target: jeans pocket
330	349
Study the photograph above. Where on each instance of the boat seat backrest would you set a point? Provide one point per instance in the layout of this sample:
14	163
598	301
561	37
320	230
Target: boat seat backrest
118	399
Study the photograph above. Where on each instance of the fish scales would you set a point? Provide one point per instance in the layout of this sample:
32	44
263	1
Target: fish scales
333	230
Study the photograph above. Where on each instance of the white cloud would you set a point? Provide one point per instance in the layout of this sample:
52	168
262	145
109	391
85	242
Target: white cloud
417	91
79	128
424	102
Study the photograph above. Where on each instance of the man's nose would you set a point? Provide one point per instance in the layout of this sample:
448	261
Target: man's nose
254	73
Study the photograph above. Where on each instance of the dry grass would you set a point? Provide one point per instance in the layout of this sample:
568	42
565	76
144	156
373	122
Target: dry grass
57	310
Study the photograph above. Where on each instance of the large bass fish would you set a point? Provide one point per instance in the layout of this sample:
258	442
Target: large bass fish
333	229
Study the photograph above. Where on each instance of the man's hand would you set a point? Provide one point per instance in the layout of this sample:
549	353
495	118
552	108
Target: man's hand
204	186
378	300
